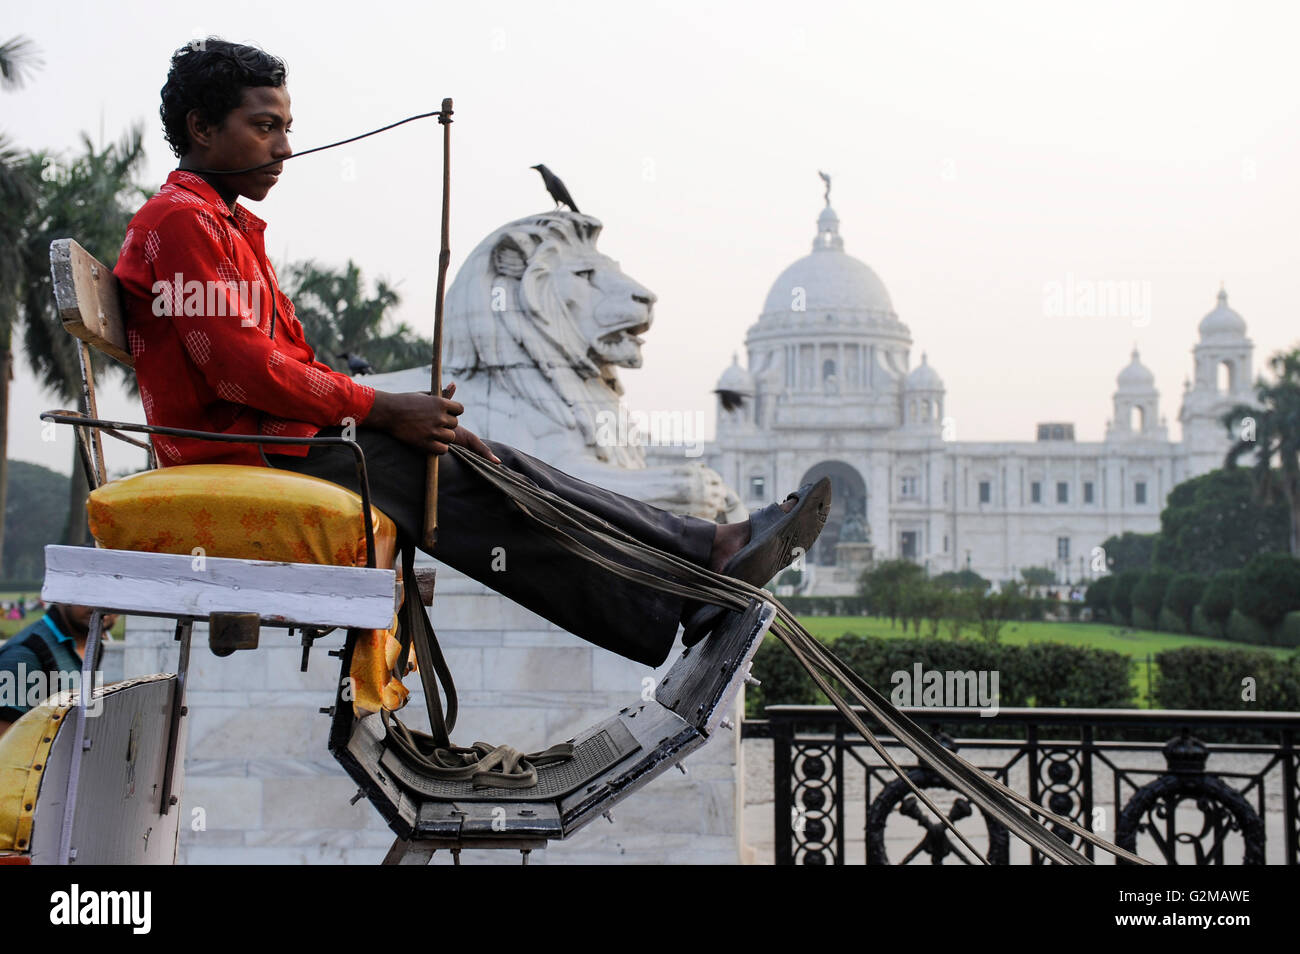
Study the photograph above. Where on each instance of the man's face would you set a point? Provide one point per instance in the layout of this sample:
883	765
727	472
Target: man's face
255	132
79	617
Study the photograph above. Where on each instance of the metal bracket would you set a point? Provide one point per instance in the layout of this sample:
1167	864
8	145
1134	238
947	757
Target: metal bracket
179	709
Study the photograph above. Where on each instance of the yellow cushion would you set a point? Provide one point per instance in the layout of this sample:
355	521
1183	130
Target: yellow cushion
241	512
23	752
257	513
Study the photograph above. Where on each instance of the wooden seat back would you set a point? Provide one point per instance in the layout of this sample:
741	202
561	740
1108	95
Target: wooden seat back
89	299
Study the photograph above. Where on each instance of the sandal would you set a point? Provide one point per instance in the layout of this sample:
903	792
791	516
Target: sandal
774	535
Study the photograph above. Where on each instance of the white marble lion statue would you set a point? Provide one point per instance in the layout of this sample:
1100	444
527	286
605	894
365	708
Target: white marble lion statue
536	325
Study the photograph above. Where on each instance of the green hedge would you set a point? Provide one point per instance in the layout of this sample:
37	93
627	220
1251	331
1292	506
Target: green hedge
1041	674
1195	678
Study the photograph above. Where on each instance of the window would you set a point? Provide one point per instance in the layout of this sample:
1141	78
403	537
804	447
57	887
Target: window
1087	491
907	486
945	490
945	543
757	488
1140	492
907	544
1063	548
1036	492
1062	492
986	491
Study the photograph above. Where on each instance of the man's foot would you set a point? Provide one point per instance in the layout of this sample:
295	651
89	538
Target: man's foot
761	547
731	537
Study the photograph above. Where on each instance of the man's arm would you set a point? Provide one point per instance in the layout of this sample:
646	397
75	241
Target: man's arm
239	360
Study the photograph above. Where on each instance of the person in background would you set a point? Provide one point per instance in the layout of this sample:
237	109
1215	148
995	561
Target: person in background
54	644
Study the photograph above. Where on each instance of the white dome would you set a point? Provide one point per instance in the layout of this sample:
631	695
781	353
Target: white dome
923	377
831	281
736	379
1136	376
1222	322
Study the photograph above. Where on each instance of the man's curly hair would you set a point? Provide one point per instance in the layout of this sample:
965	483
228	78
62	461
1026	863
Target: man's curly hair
210	76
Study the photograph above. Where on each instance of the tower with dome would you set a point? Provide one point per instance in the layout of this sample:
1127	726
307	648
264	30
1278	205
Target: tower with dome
829	388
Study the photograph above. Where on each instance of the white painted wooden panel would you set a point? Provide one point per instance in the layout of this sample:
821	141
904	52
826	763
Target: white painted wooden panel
164	584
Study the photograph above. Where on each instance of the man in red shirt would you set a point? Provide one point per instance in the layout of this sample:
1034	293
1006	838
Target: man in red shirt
217	347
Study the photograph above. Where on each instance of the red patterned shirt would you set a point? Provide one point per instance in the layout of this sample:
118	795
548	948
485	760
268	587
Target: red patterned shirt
216	344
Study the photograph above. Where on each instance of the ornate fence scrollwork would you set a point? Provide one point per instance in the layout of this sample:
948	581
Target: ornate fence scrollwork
1153	810
934	845
1151	806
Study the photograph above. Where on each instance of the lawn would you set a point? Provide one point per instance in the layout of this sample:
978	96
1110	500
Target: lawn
9	627
1136	643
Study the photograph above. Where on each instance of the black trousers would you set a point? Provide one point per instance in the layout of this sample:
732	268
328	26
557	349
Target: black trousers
484	535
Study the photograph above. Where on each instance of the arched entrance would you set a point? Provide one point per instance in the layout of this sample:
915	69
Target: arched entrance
848	500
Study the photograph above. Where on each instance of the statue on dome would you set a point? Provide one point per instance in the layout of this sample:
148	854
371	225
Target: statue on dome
827	179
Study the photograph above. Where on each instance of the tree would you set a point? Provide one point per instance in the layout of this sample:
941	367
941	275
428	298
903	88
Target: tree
1217	600
884	584
1272	430
1184	592
1098	597
1216	522
961	609
993	610
1149	593
90	197
1129	551
961	580
337	317
1039	575
17	195
1121	596
35	514
1268	587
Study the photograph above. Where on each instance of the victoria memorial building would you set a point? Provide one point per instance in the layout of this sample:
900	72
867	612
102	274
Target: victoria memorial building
830	387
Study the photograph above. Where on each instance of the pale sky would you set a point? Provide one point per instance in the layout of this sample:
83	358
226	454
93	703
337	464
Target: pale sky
979	154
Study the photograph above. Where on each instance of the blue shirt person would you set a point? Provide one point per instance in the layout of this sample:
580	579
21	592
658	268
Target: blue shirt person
42	658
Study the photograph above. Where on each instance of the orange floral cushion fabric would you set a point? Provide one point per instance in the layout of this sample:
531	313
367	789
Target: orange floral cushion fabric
257	513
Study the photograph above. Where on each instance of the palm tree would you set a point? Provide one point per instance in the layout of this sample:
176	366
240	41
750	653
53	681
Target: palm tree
17	193
1276	424
90	198
338	318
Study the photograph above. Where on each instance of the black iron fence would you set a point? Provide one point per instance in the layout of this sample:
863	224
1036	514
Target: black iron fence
1177	801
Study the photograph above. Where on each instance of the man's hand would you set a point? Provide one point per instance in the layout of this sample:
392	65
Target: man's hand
426	422
417	418
467	438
